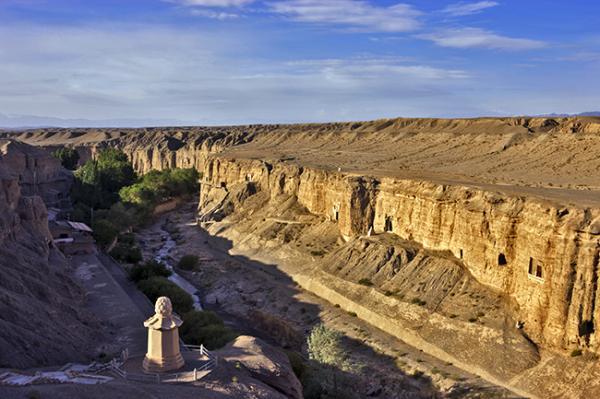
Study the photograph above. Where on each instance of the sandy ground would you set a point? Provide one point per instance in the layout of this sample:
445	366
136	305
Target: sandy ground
236	286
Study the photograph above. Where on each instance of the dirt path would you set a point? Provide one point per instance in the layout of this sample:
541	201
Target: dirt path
238	287
114	302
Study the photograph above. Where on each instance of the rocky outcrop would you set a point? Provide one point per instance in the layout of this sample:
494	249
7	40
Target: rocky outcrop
264	363
41	321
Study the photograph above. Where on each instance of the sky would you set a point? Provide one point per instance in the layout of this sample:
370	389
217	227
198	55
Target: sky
224	62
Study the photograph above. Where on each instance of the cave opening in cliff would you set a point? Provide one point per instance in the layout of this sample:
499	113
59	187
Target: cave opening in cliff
586	327
389	227
502	260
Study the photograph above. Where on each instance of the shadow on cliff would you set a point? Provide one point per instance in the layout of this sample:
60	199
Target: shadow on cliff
283	331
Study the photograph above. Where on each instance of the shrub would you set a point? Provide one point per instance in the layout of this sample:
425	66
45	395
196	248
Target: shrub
353	314
148	270
188	262
365	281
155	287
104	232
127	238
576	352
205	328
126	253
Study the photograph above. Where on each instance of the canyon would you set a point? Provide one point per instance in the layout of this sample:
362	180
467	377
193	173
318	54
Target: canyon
476	240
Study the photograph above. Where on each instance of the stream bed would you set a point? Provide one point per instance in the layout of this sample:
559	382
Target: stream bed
164	257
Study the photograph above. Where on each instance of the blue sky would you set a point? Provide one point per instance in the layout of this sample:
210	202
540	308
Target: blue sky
132	62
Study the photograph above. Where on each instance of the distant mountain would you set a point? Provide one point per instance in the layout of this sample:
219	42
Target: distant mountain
13	122
592	113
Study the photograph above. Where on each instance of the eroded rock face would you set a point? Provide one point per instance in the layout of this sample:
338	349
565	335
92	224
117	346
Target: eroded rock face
41	321
497	236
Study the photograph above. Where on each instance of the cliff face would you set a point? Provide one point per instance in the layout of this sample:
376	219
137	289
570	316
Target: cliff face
41	321
498	237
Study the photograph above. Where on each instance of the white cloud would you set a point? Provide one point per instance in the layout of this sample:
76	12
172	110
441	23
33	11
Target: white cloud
352	13
461	9
479	38
221	16
214	3
203	76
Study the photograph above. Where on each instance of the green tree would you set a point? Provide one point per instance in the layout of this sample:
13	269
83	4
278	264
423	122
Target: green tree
149	269
104	232
69	157
98	181
155	287
324	347
206	328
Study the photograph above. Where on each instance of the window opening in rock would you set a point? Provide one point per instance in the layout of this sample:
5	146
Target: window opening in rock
502	260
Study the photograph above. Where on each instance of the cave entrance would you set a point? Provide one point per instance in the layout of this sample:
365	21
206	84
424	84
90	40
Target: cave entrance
389	227
502	260
461	253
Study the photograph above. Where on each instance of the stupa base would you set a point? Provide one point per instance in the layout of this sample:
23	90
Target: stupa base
164	364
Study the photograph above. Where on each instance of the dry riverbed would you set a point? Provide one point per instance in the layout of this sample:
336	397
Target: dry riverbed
261	299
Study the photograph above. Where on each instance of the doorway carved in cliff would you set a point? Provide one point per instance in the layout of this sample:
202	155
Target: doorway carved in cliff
389	227
502	260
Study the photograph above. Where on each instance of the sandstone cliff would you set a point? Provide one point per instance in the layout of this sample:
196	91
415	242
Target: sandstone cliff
41	321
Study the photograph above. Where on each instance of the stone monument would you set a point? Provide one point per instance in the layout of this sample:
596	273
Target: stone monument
163	339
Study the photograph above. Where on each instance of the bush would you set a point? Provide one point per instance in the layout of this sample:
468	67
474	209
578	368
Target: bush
155	287
127	239
205	328
126	253
148	270
104	232
188	262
